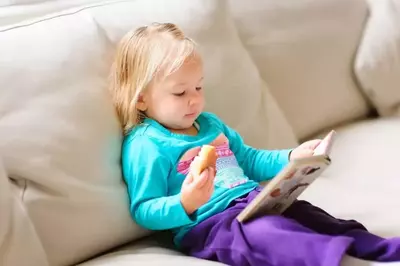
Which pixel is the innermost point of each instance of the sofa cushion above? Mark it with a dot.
(363, 181)
(5, 203)
(61, 139)
(59, 132)
(15, 11)
(377, 65)
(151, 251)
(17, 233)
(304, 51)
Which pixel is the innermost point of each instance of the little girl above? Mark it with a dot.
(157, 91)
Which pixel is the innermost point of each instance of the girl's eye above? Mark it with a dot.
(198, 88)
(179, 94)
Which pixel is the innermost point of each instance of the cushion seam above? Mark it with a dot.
(62, 13)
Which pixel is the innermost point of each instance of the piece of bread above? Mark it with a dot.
(207, 158)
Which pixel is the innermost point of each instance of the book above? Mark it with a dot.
(290, 182)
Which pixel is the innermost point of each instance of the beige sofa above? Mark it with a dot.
(280, 72)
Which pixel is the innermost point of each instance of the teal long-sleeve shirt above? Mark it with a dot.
(155, 162)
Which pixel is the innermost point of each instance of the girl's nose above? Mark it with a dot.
(194, 99)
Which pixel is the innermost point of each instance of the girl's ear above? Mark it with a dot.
(141, 104)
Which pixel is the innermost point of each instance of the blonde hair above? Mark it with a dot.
(141, 55)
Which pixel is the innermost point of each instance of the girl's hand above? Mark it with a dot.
(304, 150)
(196, 191)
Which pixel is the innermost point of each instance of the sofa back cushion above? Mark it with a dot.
(60, 136)
(23, 10)
(19, 242)
(377, 65)
(304, 50)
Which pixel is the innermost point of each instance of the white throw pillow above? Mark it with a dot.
(304, 50)
(58, 129)
(377, 65)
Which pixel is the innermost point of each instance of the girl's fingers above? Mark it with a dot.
(201, 181)
(211, 177)
(314, 143)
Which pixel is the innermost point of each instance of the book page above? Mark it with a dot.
(286, 187)
(290, 188)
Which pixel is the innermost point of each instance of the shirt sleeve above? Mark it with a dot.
(146, 172)
(259, 165)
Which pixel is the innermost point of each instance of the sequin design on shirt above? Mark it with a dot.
(228, 173)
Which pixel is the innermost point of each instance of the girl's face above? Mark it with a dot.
(177, 100)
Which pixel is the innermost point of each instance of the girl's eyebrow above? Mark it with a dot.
(184, 83)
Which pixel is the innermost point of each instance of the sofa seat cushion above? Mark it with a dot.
(151, 251)
(363, 182)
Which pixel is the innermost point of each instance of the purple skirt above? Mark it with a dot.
(302, 235)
